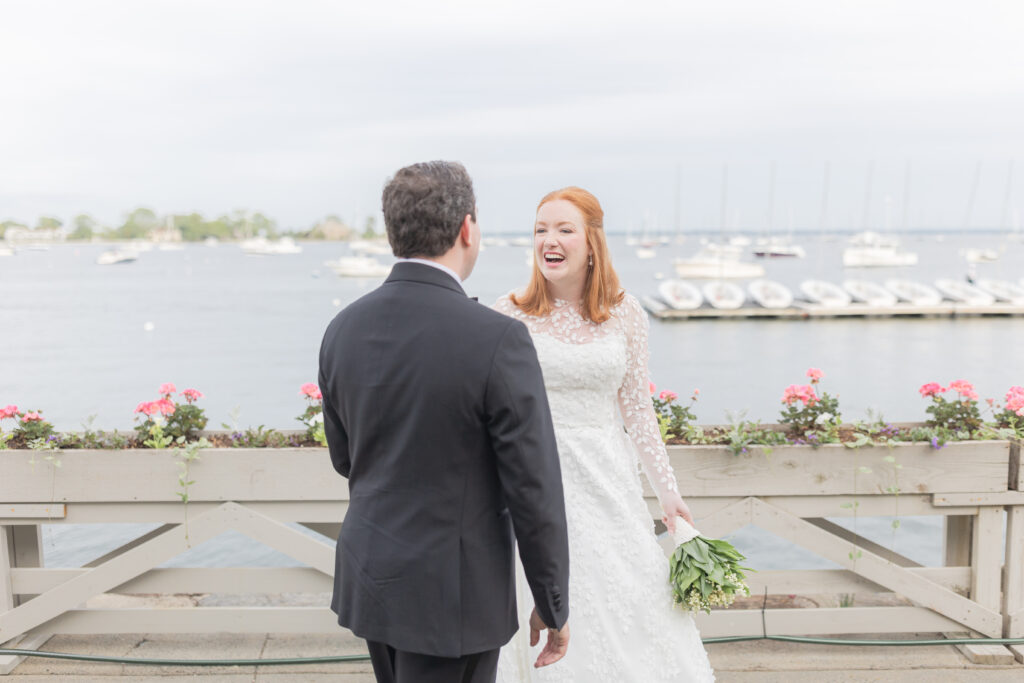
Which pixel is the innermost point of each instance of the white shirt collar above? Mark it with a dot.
(434, 264)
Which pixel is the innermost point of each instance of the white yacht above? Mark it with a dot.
(261, 246)
(914, 292)
(877, 257)
(714, 263)
(112, 256)
(371, 247)
(775, 247)
(358, 266)
(724, 295)
(680, 295)
(869, 292)
(1002, 290)
(869, 238)
(825, 293)
(770, 294)
(981, 255)
(645, 253)
(964, 292)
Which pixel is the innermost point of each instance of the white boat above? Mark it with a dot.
(372, 247)
(981, 255)
(6, 251)
(914, 292)
(645, 253)
(778, 247)
(112, 256)
(715, 263)
(170, 246)
(877, 257)
(521, 242)
(869, 292)
(1002, 290)
(964, 292)
(869, 238)
(211, 241)
(770, 294)
(724, 295)
(825, 293)
(358, 266)
(261, 246)
(680, 295)
(739, 241)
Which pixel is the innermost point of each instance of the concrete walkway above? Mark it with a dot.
(749, 662)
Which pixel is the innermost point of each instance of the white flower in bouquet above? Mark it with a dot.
(705, 572)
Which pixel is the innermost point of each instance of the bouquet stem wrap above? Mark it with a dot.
(704, 572)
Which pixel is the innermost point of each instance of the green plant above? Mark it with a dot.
(961, 415)
(816, 420)
(260, 437)
(313, 415)
(182, 420)
(674, 420)
(31, 427)
(187, 454)
(742, 435)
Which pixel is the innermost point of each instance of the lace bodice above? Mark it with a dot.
(604, 372)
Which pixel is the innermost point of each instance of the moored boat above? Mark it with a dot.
(724, 295)
(1002, 290)
(964, 292)
(358, 266)
(680, 295)
(869, 292)
(770, 294)
(915, 293)
(825, 293)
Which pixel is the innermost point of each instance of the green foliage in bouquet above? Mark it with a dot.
(705, 573)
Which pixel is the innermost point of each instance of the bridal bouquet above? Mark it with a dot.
(704, 572)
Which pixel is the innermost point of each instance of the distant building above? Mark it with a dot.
(15, 235)
(168, 234)
(332, 229)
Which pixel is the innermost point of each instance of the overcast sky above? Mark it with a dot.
(300, 109)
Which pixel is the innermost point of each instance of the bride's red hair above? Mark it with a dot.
(601, 290)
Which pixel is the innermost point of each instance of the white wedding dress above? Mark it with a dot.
(623, 625)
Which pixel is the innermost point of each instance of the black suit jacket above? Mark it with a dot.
(435, 410)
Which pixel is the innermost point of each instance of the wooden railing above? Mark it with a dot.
(791, 492)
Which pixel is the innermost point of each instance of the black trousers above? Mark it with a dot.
(394, 666)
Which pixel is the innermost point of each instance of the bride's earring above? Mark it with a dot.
(590, 260)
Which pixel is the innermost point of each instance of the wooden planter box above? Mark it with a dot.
(834, 469)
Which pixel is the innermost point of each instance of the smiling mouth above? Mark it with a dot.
(553, 258)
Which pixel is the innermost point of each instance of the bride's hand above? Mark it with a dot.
(675, 507)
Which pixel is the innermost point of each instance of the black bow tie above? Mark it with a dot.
(473, 298)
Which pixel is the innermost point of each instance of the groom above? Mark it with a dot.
(435, 412)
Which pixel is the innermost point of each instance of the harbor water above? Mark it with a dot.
(83, 340)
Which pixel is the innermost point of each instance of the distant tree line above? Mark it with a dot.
(239, 224)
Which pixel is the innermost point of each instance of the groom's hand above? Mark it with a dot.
(558, 640)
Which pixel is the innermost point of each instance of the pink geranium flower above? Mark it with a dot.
(1015, 400)
(651, 387)
(167, 388)
(146, 407)
(191, 395)
(165, 406)
(668, 395)
(9, 411)
(931, 389)
(964, 388)
(799, 392)
(32, 417)
(310, 390)
(815, 374)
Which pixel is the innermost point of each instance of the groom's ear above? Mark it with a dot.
(466, 230)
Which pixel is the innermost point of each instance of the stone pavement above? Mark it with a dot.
(747, 662)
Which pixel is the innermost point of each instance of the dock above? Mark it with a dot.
(806, 311)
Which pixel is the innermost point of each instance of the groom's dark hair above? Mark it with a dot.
(424, 205)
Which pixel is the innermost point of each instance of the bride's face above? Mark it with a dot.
(560, 243)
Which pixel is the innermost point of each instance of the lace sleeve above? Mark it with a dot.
(505, 305)
(635, 402)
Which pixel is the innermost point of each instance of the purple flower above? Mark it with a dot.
(935, 443)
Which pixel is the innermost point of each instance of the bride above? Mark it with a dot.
(591, 339)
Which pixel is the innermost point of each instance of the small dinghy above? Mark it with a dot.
(358, 266)
(680, 295)
(1002, 290)
(825, 293)
(964, 292)
(869, 292)
(914, 292)
(770, 294)
(724, 295)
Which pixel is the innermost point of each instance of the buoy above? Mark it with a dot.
(148, 326)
